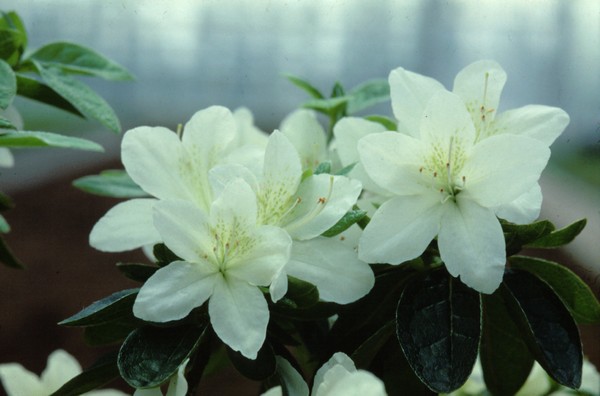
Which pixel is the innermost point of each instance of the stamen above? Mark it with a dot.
(179, 130)
(318, 208)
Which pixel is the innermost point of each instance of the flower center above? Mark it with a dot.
(442, 168)
(230, 242)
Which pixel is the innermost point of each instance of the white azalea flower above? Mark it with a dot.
(307, 135)
(305, 209)
(446, 184)
(169, 167)
(61, 367)
(177, 385)
(337, 377)
(225, 257)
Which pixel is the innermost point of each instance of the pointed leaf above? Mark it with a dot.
(151, 355)
(5, 202)
(108, 333)
(326, 106)
(387, 122)
(259, 369)
(366, 352)
(438, 327)
(548, 328)
(163, 255)
(573, 292)
(323, 167)
(349, 219)
(6, 124)
(305, 85)
(11, 45)
(77, 59)
(8, 84)
(110, 183)
(368, 94)
(29, 139)
(4, 226)
(101, 373)
(505, 359)
(345, 170)
(137, 272)
(35, 90)
(13, 21)
(519, 235)
(7, 257)
(559, 237)
(109, 308)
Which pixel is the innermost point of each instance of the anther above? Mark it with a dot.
(322, 200)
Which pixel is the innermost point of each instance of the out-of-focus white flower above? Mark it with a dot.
(61, 367)
(305, 133)
(446, 183)
(337, 377)
(225, 255)
(177, 385)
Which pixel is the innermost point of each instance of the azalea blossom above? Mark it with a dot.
(305, 209)
(225, 256)
(61, 367)
(177, 385)
(446, 184)
(337, 377)
(168, 166)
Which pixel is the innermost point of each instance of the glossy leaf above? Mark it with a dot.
(518, 235)
(7, 257)
(8, 84)
(101, 373)
(105, 310)
(559, 237)
(573, 292)
(163, 255)
(547, 327)
(151, 355)
(350, 218)
(304, 85)
(31, 139)
(259, 369)
(113, 332)
(35, 90)
(387, 122)
(137, 272)
(110, 183)
(82, 97)
(438, 325)
(368, 94)
(74, 58)
(505, 358)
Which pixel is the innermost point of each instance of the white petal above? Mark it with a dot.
(208, 133)
(480, 84)
(178, 385)
(503, 167)
(543, 123)
(279, 286)
(148, 392)
(126, 226)
(306, 134)
(17, 380)
(250, 156)
(337, 367)
(410, 93)
(184, 228)
(446, 122)
(360, 383)
(523, 210)
(331, 266)
(221, 175)
(275, 391)
(248, 133)
(282, 169)
(401, 229)
(6, 158)
(348, 131)
(293, 381)
(173, 291)
(392, 160)
(324, 200)
(472, 245)
(239, 315)
(61, 367)
(235, 207)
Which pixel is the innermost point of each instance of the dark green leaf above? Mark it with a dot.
(137, 272)
(337, 90)
(559, 237)
(505, 359)
(73, 58)
(366, 352)
(259, 369)
(11, 45)
(82, 97)
(547, 327)
(31, 139)
(4, 226)
(7, 257)
(300, 294)
(110, 183)
(113, 332)
(368, 94)
(305, 85)
(101, 373)
(573, 292)
(519, 235)
(151, 355)
(326, 106)
(388, 123)
(438, 327)
(115, 306)
(323, 167)
(350, 218)
(5, 202)
(8, 84)
(12, 20)
(35, 90)
(163, 255)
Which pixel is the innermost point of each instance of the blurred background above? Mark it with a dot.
(187, 55)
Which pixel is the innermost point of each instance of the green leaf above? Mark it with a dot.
(350, 218)
(366, 352)
(113, 332)
(5, 202)
(163, 255)
(438, 325)
(35, 90)
(6, 124)
(8, 84)
(573, 292)
(101, 373)
(137, 272)
(4, 226)
(323, 167)
(505, 358)
(74, 58)
(546, 325)
(7, 257)
(387, 122)
(259, 369)
(11, 45)
(300, 294)
(304, 85)
(345, 170)
(30, 139)
(82, 97)
(110, 183)
(559, 237)
(151, 355)
(519, 235)
(115, 306)
(368, 94)
(326, 106)
(12, 20)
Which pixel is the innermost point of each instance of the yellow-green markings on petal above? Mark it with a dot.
(482, 115)
(230, 242)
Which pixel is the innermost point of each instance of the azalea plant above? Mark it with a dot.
(373, 255)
